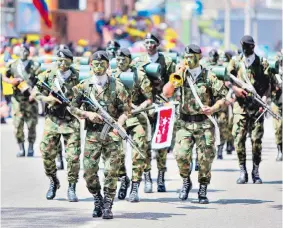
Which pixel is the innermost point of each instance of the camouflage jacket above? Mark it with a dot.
(209, 89)
(69, 123)
(27, 72)
(259, 78)
(167, 68)
(114, 98)
(276, 88)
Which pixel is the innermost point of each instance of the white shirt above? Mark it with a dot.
(153, 58)
(249, 60)
(195, 72)
(100, 81)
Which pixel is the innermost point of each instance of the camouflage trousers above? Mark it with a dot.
(225, 126)
(50, 146)
(24, 112)
(110, 150)
(201, 134)
(122, 170)
(241, 124)
(277, 124)
(161, 158)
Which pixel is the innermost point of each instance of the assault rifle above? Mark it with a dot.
(109, 121)
(250, 89)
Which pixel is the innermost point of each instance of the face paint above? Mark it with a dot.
(24, 53)
(99, 67)
(248, 49)
(123, 63)
(64, 64)
(192, 60)
(151, 46)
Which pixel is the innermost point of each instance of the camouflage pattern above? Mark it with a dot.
(137, 125)
(277, 124)
(115, 103)
(68, 127)
(23, 110)
(246, 111)
(211, 92)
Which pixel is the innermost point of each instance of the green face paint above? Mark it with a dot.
(64, 64)
(123, 63)
(99, 67)
(192, 60)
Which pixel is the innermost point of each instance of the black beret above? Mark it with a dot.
(25, 46)
(213, 52)
(113, 44)
(247, 40)
(193, 49)
(151, 37)
(65, 53)
(124, 52)
(100, 55)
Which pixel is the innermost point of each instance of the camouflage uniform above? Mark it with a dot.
(167, 68)
(23, 110)
(115, 100)
(55, 126)
(246, 112)
(196, 128)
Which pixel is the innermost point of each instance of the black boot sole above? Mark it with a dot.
(97, 215)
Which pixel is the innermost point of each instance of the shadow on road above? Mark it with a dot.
(225, 170)
(278, 207)
(240, 201)
(146, 215)
(42, 217)
(272, 182)
(196, 208)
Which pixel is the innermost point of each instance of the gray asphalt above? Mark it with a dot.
(24, 185)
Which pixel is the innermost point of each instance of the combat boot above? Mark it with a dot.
(243, 175)
(279, 155)
(30, 150)
(186, 188)
(229, 147)
(220, 152)
(161, 182)
(22, 151)
(125, 184)
(134, 194)
(72, 197)
(255, 174)
(60, 162)
(98, 205)
(147, 182)
(202, 194)
(54, 185)
(107, 207)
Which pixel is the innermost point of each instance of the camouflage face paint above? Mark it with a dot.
(24, 53)
(99, 67)
(192, 60)
(123, 63)
(151, 46)
(64, 64)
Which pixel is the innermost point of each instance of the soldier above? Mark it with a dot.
(196, 127)
(167, 68)
(111, 48)
(141, 97)
(112, 95)
(59, 122)
(21, 74)
(249, 69)
(276, 97)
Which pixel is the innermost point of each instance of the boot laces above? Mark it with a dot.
(255, 171)
(97, 200)
(147, 177)
(186, 184)
(202, 190)
(124, 182)
(160, 178)
(135, 188)
(107, 202)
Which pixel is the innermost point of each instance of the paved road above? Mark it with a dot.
(24, 186)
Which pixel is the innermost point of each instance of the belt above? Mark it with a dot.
(193, 118)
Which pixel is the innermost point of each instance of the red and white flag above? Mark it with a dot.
(163, 134)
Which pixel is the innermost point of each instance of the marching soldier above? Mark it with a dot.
(249, 69)
(21, 74)
(59, 122)
(167, 68)
(141, 97)
(112, 95)
(111, 48)
(201, 95)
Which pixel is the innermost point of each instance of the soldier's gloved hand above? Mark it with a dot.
(93, 117)
(264, 99)
(50, 100)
